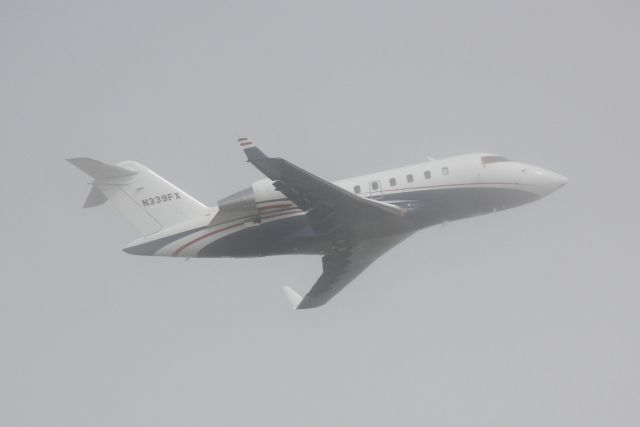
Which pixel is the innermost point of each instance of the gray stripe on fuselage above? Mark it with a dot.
(286, 235)
(150, 248)
(154, 246)
(431, 207)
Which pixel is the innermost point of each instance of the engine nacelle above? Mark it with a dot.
(264, 191)
(244, 203)
(241, 202)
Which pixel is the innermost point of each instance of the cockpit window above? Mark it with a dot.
(493, 159)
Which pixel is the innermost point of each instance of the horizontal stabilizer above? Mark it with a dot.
(95, 198)
(99, 170)
(293, 297)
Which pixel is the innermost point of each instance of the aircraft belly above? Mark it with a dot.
(292, 235)
(432, 207)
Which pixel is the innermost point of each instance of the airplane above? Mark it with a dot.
(351, 222)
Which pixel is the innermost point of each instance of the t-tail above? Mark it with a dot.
(146, 200)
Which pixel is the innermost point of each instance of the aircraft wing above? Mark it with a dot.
(316, 195)
(339, 269)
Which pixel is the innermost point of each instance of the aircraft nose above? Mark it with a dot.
(558, 180)
(545, 181)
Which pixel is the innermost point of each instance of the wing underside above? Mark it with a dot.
(338, 270)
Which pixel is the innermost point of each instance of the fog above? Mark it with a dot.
(526, 317)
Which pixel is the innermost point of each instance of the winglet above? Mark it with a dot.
(293, 297)
(253, 153)
(245, 143)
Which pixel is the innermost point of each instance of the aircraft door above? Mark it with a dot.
(375, 189)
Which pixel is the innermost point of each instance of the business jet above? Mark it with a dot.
(351, 222)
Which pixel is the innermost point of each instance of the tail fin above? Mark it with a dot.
(146, 200)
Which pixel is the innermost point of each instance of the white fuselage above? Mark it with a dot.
(463, 170)
(433, 192)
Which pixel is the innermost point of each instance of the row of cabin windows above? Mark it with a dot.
(393, 182)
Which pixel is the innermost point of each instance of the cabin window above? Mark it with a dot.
(445, 171)
(357, 189)
(392, 182)
(409, 178)
(374, 185)
(427, 174)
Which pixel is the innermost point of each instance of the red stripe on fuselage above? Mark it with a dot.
(186, 245)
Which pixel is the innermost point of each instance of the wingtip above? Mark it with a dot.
(293, 297)
(252, 152)
(245, 143)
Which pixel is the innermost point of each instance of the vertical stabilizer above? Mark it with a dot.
(146, 200)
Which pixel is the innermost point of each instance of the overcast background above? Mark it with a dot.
(527, 317)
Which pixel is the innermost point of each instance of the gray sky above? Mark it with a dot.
(523, 318)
